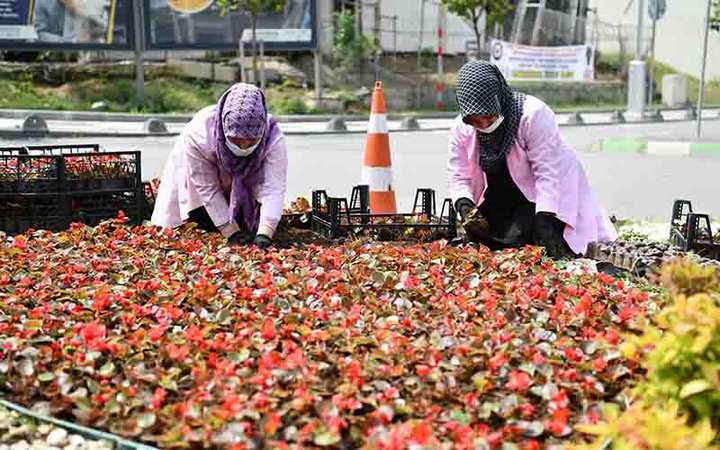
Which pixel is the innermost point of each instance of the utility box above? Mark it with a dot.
(675, 90)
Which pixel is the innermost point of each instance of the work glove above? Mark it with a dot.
(239, 238)
(464, 207)
(262, 242)
(548, 234)
(475, 225)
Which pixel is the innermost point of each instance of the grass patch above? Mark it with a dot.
(162, 95)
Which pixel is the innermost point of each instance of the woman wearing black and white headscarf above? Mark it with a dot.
(513, 178)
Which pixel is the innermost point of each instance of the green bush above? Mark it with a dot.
(679, 400)
(288, 106)
(646, 427)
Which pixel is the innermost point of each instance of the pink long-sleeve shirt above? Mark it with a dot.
(193, 177)
(545, 169)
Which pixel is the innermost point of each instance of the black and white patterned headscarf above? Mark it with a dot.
(482, 90)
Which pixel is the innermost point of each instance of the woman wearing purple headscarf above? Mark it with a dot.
(228, 171)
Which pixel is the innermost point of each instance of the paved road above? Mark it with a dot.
(628, 185)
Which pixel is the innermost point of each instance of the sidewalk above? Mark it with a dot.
(113, 125)
(660, 147)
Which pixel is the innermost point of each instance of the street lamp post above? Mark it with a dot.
(637, 73)
(701, 97)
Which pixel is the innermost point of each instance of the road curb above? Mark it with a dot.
(658, 148)
(95, 116)
(20, 134)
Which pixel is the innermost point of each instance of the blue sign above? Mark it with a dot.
(65, 24)
(15, 12)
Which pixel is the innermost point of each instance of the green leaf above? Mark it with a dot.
(531, 429)
(239, 357)
(82, 403)
(146, 420)
(460, 416)
(694, 387)
(326, 439)
(46, 376)
(26, 367)
(107, 370)
(378, 277)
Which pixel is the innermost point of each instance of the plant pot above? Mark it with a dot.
(116, 184)
(75, 185)
(94, 185)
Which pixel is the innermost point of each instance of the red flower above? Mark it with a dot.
(421, 433)
(159, 398)
(527, 410)
(422, 370)
(519, 381)
(573, 354)
(558, 423)
(497, 361)
(273, 423)
(599, 364)
(559, 401)
(156, 333)
(178, 352)
(93, 331)
(193, 334)
(268, 330)
(20, 242)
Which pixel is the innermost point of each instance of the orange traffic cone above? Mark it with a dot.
(377, 165)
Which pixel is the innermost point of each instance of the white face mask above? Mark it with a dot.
(243, 152)
(492, 127)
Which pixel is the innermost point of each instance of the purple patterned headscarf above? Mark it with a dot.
(241, 113)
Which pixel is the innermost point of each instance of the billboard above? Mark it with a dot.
(525, 63)
(65, 24)
(199, 24)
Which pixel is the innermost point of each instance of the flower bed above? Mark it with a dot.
(173, 338)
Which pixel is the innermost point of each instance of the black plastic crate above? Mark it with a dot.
(334, 217)
(50, 150)
(27, 174)
(108, 171)
(692, 231)
(50, 187)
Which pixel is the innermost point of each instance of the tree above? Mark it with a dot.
(350, 47)
(715, 19)
(472, 11)
(253, 8)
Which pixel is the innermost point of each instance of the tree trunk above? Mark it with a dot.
(256, 80)
(475, 20)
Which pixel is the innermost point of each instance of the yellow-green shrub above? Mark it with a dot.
(678, 404)
(647, 427)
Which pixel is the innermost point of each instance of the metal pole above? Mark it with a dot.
(317, 63)
(440, 50)
(641, 16)
(139, 46)
(651, 64)
(242, 60)
(538, 22)
(378, 38)
(262, 65)
(318, 76)
(701, 97)
(420, 35)
(395, 19)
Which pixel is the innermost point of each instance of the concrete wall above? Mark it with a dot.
(404, 98)
(679, 34)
